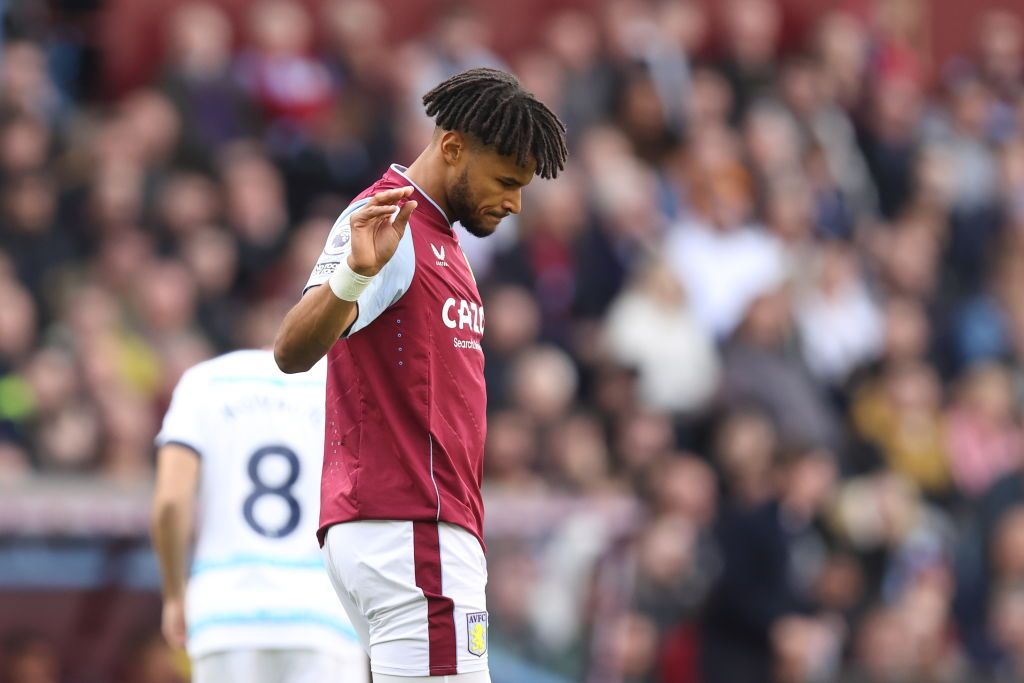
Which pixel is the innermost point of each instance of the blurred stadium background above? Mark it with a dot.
(754, 362)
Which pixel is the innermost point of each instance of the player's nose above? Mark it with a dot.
(513, 202)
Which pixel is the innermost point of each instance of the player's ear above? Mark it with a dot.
(453, 147)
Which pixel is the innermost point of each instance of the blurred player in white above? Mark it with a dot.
(258, 606)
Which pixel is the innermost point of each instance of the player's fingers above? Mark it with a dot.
(369, 212)
(389, 196)
(402, 217)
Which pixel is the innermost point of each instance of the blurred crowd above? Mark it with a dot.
(776, 301)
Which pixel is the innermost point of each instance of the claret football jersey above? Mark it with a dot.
(406, 402)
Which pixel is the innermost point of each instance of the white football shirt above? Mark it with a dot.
(258, 578)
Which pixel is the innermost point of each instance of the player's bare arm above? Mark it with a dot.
(319, 318)
(176, 479)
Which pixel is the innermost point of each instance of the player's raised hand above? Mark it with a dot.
(375, 234)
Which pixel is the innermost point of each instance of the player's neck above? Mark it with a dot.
(430, 180)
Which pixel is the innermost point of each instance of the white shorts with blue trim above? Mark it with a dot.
(244, 603)
(282, 666)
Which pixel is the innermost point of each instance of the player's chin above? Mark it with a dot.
(482, 227)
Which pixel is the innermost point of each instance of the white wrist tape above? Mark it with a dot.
(347, 284)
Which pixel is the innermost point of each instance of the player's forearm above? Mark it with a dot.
(310, 329)
(171, 527)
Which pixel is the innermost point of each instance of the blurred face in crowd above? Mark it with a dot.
(511, 445)
(790, 209)
(33, 662)
(745, 450)
(1012, 181)
(881, 648)
(723, 198)
(842, 47)
(544, 382)
(1007, 554)
(166, 297)
(641, 112)
(24, 145)
(23, 79)
(642, 437)
(542, 74)
(69, 440)
(553, 209)
(513, 320)
(580, 449)
(634, 647)
(686, 486)
(354, 26)
(17, 321)
(987, 392)
(801, 86)
(686, 23)
(667, 551)
(897, 107)
(768, 321)
(1007, 618)
(810, 481)
(29, 204)
(906, 329)
(121, 259)
(481, 186)
(187, 202)
(970, 106)
(510, 585)
(573, 37)
(254, 192)
(910, 260)
(53, 377)
(913, 388)
(462, 33)
(201, 39)
(280, 28)
(1001, 47)
(753, 30)
(153, 122)
(772, 139)
(711, 98)
(212, 257)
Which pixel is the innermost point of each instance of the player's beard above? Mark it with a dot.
(462, 206)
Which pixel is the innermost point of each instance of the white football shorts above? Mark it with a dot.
(282, 666)
(415, 594)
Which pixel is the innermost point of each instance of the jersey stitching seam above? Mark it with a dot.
(465, 402)
(430, 393)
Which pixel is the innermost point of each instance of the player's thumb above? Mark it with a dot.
(402, 217)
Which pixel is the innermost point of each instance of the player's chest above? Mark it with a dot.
(445, 286)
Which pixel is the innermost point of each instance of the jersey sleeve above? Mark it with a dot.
(337, 248)
(393, 280)
(183, 423)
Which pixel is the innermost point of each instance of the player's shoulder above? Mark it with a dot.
(388, 181)
(337, 240)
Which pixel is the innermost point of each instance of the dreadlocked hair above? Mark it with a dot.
(491, 105)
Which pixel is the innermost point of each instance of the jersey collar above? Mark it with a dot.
(401, 171)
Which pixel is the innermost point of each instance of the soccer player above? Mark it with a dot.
(401, 321)
(248, 440)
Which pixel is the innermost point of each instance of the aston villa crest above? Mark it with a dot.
(476, 633)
